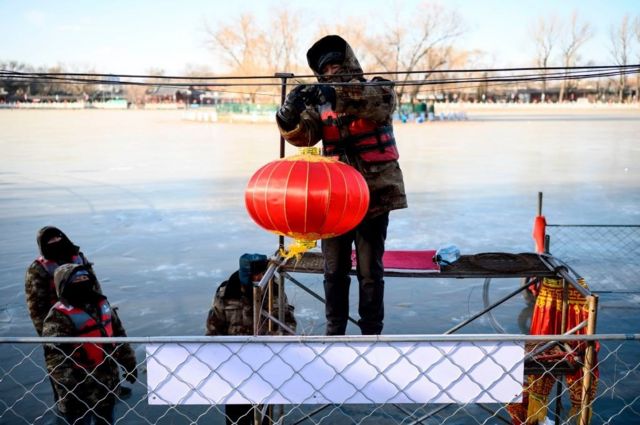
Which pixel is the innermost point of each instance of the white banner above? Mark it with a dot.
(335, 372)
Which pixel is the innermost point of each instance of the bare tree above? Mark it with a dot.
(249, 51)
(475, 59)
(579, 33)
(620, 38)
(281, 45)
(152, 76)
(60, 87)
(406, 45)
(136, 94)
(437, 58)
(15, 86)
(240, 43)
(545, 34)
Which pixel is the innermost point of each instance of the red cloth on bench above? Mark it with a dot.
(407, 260)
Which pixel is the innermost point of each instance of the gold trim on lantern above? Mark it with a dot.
(309, 150)
(309, 154)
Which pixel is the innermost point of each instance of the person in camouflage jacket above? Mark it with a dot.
(353, 118)
(86, 376)
(55, 249)
(231, 313)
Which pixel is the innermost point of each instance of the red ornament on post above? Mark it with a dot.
(307, 197)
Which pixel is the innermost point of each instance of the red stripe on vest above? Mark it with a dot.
(89, 355)
(370, 141)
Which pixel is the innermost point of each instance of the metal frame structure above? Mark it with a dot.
(536, 266)
(531, 265)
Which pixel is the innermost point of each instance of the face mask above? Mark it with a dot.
(81, 292)
(61, 251)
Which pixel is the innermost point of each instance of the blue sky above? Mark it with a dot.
(133, 36)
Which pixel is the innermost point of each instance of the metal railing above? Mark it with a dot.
(461, 395)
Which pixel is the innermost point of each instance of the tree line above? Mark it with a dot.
(419, 48)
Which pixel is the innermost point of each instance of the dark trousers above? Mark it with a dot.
(102, 413)
(369, 238)
(240, 414)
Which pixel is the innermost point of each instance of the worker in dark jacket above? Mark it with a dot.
(85, 375)
(40, 292)
(56, 249)
(231, 313)
(353, 118)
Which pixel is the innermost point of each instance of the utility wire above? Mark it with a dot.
(253, 77)
(424, 85)
(567, 75)
(490, 84)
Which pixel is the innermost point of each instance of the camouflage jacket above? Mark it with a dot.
(39, 292)
(373, 102)
(231, 312)
(80, 389)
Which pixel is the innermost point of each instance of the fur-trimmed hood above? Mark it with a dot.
(333, 49)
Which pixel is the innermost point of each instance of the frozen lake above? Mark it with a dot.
(157, 203)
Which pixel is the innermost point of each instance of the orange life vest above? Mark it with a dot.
(89, 355)
(51, 266)
(370, 141)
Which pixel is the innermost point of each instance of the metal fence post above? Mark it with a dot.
(283, 94)
(587, 370)
(539, 203)
(281, 303)
(563, 329)
(270, 305)
(257, 307)
(547, 244)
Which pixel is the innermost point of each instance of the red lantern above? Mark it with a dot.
(307, 197)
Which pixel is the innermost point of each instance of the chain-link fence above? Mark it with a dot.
(454, 379)
(606, 255)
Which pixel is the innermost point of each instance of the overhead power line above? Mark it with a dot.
(271, 77)
(509, 76)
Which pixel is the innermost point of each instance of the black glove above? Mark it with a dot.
(320, 94)
(289, 113)
(132, 376)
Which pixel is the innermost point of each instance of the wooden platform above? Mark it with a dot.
(482, 265)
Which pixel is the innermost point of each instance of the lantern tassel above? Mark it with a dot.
(297, 248)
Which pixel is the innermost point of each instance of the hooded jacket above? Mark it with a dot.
(81, 386)
(370, 102)
(38, 284)
(231, 311)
